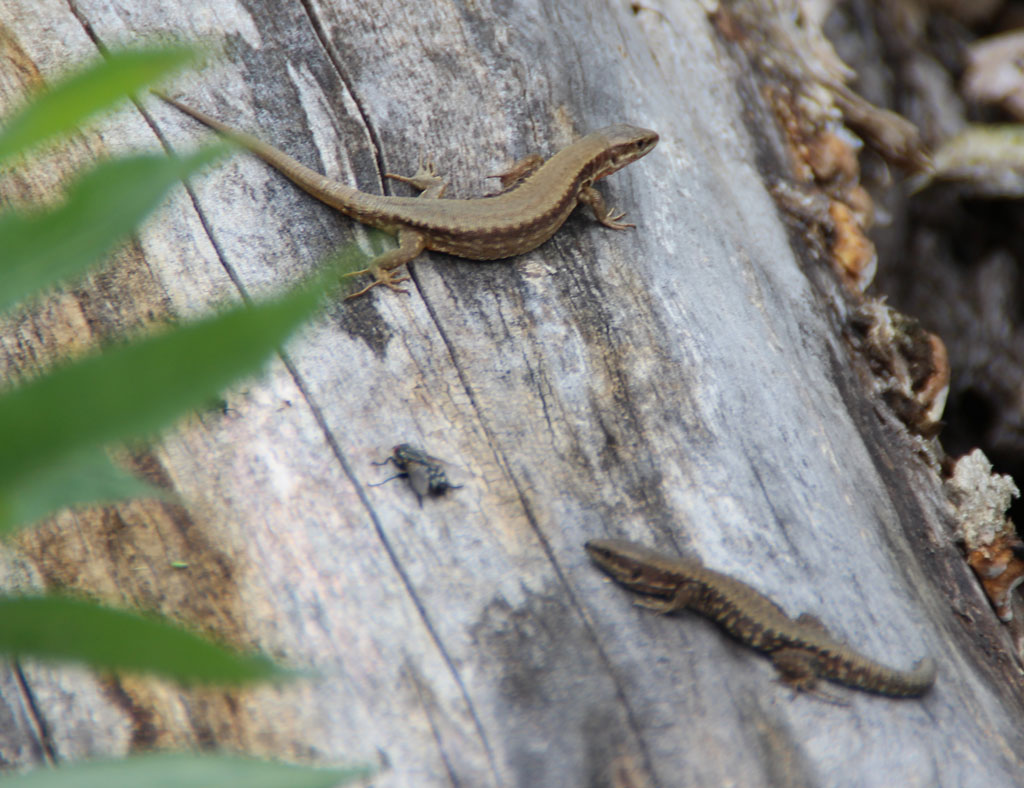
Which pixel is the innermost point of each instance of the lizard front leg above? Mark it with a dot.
(592, 197)
(519, 171)
(410, 244)
(681, 599)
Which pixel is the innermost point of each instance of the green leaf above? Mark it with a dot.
(169, 770)
(78, 97)
(85, 478)
(62, 628)
(136, 389)
(101, 208)
(347, 260)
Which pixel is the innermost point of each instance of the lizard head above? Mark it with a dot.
(624, 144)
(634, 566)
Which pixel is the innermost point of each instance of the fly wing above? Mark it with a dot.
(419, 479)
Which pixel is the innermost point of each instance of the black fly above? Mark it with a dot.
(425, 473)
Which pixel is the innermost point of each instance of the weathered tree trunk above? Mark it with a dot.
(691, 384)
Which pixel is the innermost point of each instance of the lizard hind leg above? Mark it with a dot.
(796, 669)
(410, 244)
(431, 185)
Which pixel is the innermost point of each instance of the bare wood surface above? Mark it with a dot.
(687, 385)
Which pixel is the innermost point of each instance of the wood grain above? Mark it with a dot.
(687, 384)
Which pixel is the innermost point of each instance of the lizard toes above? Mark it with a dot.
(612, 220)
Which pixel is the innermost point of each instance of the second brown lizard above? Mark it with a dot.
(801, 649)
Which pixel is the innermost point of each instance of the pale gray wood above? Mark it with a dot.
(21, 740)
(686, 384)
